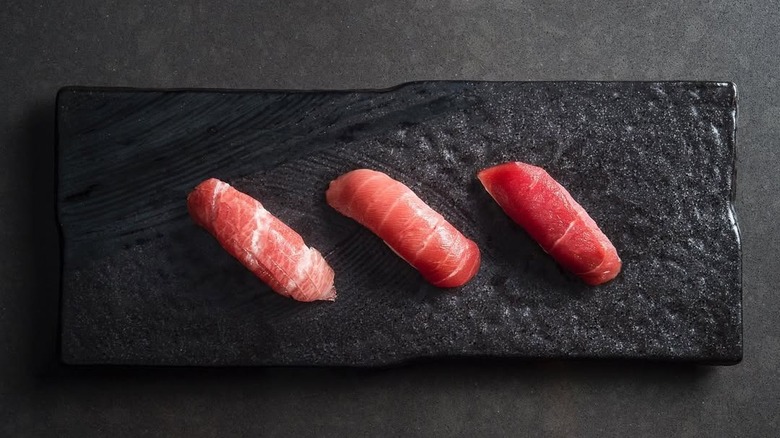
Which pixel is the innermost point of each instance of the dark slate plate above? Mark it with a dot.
(653, 163)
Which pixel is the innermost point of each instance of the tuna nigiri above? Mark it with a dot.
(261, 242)
(546, 210)
(418, 234)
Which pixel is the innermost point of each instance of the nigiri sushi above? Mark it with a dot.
(414, 231)
(261, 242)
(546, 210)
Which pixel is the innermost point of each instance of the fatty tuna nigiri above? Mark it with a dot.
(418, 234)
(546, 210)
(261, 242)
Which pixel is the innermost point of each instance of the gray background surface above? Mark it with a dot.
(350, 44)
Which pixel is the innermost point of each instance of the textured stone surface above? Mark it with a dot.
(653, 164)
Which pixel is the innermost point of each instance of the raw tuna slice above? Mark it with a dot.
(261, 242)
(408, 225)
(533, 199)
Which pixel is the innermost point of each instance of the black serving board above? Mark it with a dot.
(653, 163)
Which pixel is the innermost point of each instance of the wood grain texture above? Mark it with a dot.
(651, 162)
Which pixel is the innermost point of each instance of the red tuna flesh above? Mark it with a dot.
(546, 210)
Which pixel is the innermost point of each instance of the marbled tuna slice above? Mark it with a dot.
(261, 242)
(417, 233)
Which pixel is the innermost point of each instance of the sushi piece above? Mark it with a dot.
(546, 210)
(261, 242)
(419, 235)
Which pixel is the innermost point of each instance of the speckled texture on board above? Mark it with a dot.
(651, 162)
